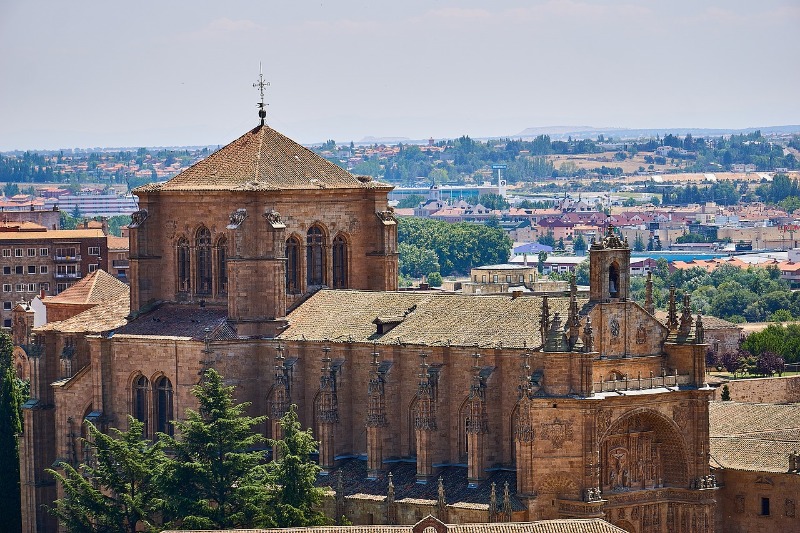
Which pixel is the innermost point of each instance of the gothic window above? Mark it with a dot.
(613, 280)
(315, 257)
(222, 265)
(203, 245)
(183, 265)
(292, 265)
(339, 263)
(140, 386)
(163, 390)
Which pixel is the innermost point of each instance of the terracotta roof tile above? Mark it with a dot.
(106, 316)
(52, 234)
(118, 243)
(429, 318)
(754, 437)
(263, 160)
(97, 287)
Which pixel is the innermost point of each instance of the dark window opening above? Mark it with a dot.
(140, 401)
(315, 257)
(613, 280)
(292, 266)
(203, 244)
(222, 266)
(183, 265)
(164, 406)
(339, 263)
(764, 506)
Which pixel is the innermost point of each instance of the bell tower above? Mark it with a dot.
(609, 268)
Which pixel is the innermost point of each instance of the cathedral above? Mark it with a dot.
(279, 270)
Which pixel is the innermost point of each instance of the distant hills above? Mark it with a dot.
(582, 132)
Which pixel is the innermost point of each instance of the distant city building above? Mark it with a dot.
(92, 205)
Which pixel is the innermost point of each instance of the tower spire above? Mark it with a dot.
(261, 85)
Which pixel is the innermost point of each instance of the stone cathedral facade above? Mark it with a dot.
(279, 270)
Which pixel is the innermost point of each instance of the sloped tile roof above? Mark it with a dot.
(430, 318)
(182, 320)
(263, 160)
(56, 234)
(754, 437)
(105, 316)
(97, 287)
(118, 243)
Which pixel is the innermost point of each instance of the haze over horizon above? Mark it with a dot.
(103, 74)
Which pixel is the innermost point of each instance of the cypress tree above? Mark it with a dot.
(10, 427)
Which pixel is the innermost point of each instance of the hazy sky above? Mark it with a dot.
(89, 73)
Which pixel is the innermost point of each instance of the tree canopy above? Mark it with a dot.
(459, 247)
(10, 427)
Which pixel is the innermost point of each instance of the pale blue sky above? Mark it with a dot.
(131, 73)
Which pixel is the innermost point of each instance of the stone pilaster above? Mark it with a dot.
(376, 418)
(478, 427)
(524, 431)
(649, 306)
(327, 413)
(424, 422)
(281, 399)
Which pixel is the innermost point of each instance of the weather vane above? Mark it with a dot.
(261, 85)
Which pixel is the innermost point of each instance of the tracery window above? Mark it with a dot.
(163, 391)
(184, 266)
(222, 265)
(339, 263)
(140, 386)
(315, 256)
(292, 265)
(203, 246)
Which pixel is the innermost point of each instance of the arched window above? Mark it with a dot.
(203, 245)
(339, 263)
(140, 386)
(613, 280)
(222, 265)
(184, 266)
(315, 257)
(292, 265)
(163, 391)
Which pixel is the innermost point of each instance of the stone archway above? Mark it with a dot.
(627, 526)
(642, 449)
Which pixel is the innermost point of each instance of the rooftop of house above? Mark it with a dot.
(263, 160)
(753, 437)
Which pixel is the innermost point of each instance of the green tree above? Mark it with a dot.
(10, 426)
(579, 245)
(547, 239)
(416, 262)
(493, 201)
(540, 263)
(294, 474)
(76, 212)
(638, 243)
(118, 490)
(209, 484)
(435, 279)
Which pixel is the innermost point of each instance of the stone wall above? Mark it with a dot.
(740, 501)
(763, 390)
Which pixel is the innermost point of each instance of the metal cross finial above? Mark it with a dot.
(261, 85)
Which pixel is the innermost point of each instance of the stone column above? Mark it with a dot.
(281, 399)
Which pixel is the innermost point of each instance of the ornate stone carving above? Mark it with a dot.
(387, 216)
(138, 218)
(680, 415)
(273, 218)
(641, 334)
(614, 325)
(237, 218)
(557, 432)
(603, 419)
(169, 229)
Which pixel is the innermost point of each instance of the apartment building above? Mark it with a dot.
(35, 260)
